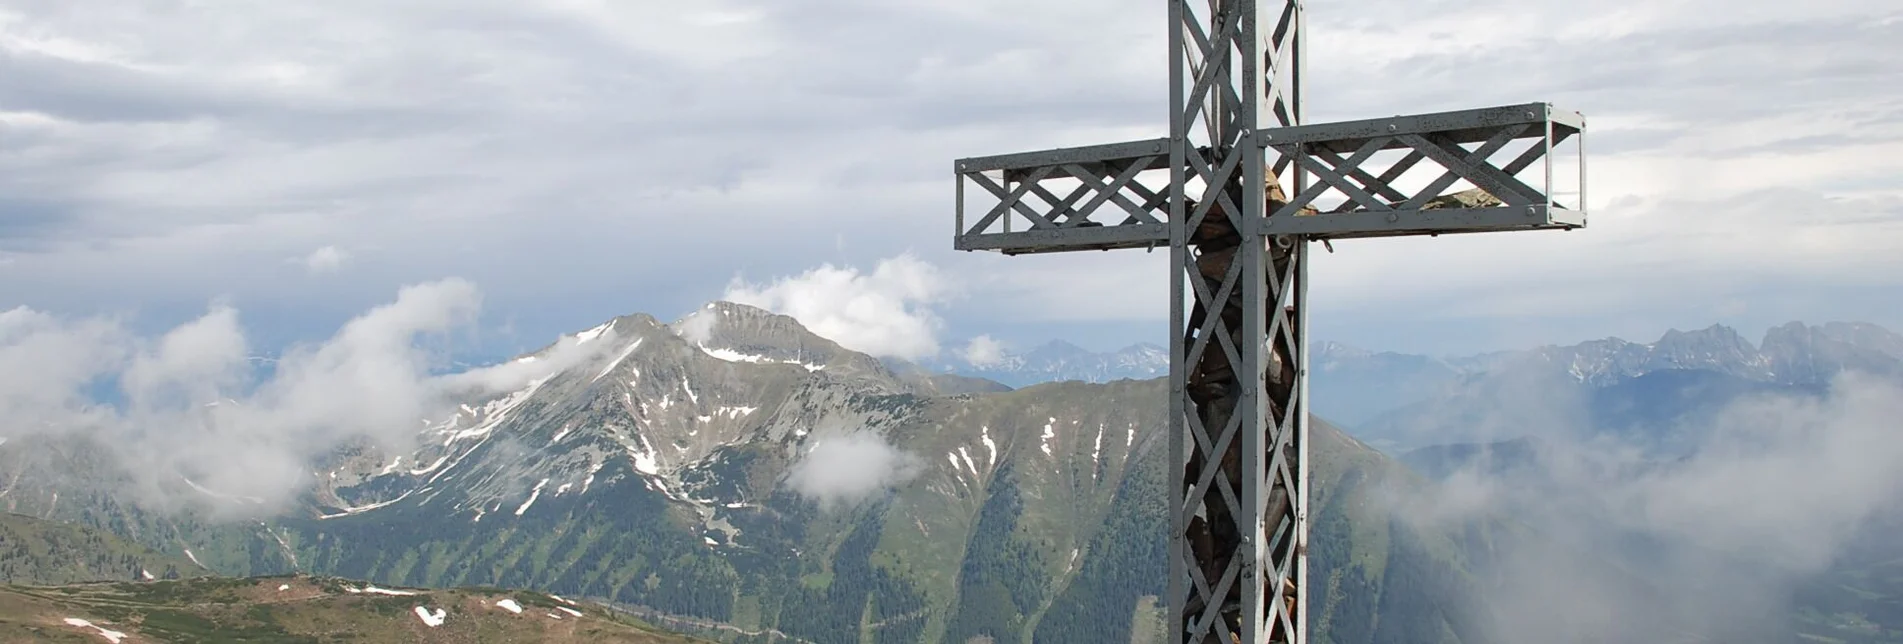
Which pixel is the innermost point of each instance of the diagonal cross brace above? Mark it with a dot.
(1235, 138)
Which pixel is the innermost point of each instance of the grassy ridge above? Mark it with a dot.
(300, 609)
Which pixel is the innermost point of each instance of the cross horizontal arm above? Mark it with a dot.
(1025, 214)
(1390, 177)
(1481, 170)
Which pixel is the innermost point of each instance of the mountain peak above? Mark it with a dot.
(1798, 352)
(742, 333)
(1717, 332)
(1057, 350)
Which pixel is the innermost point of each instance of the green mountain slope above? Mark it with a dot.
(36, 551)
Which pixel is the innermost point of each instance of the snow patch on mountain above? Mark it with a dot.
(619, 358)
(585, 336)
(533, 495)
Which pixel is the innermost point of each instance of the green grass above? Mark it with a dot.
(218, 610)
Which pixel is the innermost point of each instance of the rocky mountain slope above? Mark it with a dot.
(305, 609)
(733, 469)
(733, 472)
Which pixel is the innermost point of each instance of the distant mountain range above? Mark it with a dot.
(1059, 361)
(733, 474)
(1354, 386)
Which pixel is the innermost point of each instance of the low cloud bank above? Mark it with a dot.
(841, 471)
(1713, 546)
(886, 312)
(193, 407)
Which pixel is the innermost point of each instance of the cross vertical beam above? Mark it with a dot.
(1238, 404)
(1239, 253)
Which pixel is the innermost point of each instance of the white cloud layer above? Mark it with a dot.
(885, 312)
(193, 406)
(1776, 491)
(984, 351)
(845, 469)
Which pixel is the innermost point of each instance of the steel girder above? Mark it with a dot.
(1213, 193)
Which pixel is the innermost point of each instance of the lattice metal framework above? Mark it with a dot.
(1212, 192)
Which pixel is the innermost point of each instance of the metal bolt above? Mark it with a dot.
(1530, 211)
(1393, 217)
(1392, 127)
(1268, 137)
(1156, 148)
(1530, 115)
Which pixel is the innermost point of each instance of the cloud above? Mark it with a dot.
(1704, 548)
(697, 327)
(886, 312)
(842, 470)
(635, 138)
(326, 260)
(46, 362)
(984, 351)
(194, 408)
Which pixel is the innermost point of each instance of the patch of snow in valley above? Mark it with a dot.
(568, 610)
(143, 574)
(439, 463)
(564, 488)
(510, 605)
(984, 434)
(1049, 433)
(1132, 438)
(385, 591)
(968, 462)
(110, 635)
(193, 557)
(730, 355)
(591, 475)
(533, 494)
(357, 510)
(283, 587)
(431, 620)
(644, 458)
(1096, 452)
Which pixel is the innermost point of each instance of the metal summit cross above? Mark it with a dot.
(1238, 366)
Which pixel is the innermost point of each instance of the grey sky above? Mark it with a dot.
(580, 159)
